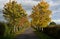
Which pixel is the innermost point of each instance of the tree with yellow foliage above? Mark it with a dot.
(41, 14)
(15, 15)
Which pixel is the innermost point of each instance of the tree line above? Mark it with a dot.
(17, 18)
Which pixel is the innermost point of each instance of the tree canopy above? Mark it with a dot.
(15, 15)
(41, 14)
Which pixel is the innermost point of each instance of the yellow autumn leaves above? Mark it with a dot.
(41, 14)
(16, 15)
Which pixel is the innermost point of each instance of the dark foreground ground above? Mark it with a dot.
(28, 34)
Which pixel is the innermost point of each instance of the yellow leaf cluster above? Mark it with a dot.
(41, 14)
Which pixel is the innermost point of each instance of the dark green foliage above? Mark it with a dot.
(2, 28)
(40, 33)
(53, 32)
(52, 23)
(43, 35)
(5, 31)
(48, 32)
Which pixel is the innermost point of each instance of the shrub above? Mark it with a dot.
(2, 28)
(5, 31)
(52, 23)
(52, 31)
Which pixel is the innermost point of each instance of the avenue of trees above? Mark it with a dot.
(17, 19)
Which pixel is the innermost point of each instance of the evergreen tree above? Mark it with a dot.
(41, 14)
(52, 23)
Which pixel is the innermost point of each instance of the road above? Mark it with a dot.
(28, 34)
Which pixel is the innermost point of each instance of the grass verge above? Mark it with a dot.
(42, 35)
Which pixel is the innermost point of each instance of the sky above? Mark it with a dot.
(28, 4)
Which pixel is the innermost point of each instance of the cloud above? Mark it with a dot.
(2, 3)
(1, 17)
(55, 9)
(56, 16)
(36, 0)
(56, 1)
(28, 5)
(56, 21)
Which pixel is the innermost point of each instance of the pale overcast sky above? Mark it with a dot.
(28, 4)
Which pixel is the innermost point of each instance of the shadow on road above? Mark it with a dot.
(28, 34)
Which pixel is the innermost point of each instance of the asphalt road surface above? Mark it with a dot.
(28, 34)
